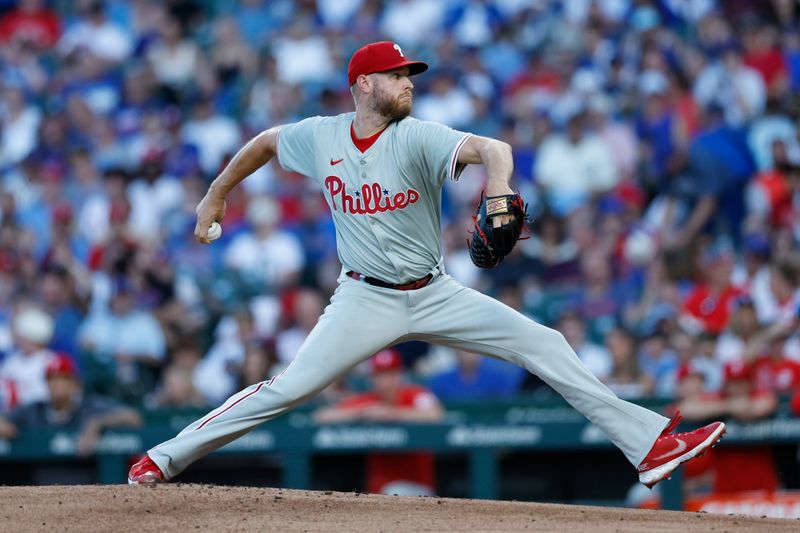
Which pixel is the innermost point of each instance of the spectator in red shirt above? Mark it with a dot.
(391, 400)
(23, 368)
(795, 403)
(537, 78)
(707, 308)
(769, 195)
(763, 54)
(31, 22)
(737, 468)
(774, 372)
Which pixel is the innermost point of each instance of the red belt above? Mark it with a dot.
(410, 286)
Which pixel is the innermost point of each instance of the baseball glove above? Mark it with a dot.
(489, 245)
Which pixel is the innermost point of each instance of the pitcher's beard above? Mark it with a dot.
(394, 108)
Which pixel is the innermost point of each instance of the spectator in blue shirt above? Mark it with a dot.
(475, 378)
(123, 346)
(57, 294)
(660, 363)
(712, 188)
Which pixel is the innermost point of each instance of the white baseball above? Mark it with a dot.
(214, 231)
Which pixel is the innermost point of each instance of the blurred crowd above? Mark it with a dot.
(657, 142)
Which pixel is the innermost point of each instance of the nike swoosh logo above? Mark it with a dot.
(336, 162)
(680, 447)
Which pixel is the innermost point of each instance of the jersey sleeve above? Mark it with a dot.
(296, 146)
(439, 146)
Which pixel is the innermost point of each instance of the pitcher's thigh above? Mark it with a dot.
(357, 324)
(474, 322)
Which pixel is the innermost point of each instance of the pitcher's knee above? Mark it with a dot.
(301, 397)
(291, 396)
(548, 338)
(542, 343)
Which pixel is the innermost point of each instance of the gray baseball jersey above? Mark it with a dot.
(385, 203)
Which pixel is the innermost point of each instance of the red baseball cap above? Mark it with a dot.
(688, 369)
(63, 365)
(386, 360)
(63, 213)
(380, 57)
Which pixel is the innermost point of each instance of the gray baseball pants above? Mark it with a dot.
(362, 319)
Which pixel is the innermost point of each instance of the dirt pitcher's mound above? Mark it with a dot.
(178, 507)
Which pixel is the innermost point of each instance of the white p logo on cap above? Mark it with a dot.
(399, 51)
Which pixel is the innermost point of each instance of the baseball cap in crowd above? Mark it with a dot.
(744, 300)
(644, 18)
(718, 254)
(34, 325)
(380, 57)
(652, 82)
(386, 360)
(757, 244)
(62, 365)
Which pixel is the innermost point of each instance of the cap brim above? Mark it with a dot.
(414, 67)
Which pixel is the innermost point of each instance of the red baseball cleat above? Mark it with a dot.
(145, 472)
(670, 450)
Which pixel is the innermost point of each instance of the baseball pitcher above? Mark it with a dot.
(382, 174)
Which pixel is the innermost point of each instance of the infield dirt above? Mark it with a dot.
(187, 507)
